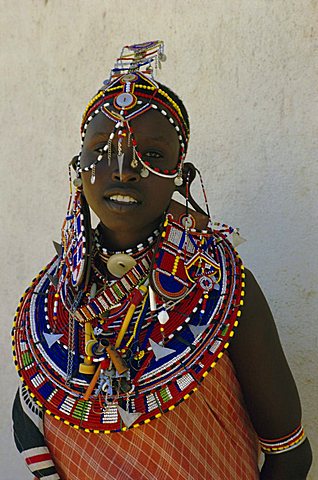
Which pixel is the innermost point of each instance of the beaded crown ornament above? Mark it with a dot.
(130, 91)
(108, 354)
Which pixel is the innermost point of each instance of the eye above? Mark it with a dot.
(152, 154)
(99, 149)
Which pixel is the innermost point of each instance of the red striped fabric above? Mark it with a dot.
(209, 436)
(38, 458)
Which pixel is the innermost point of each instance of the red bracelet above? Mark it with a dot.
(283, 444)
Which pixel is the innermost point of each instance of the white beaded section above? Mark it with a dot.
(184, 381)
(110, 415)
(151, 402)
(38, 379)
(67, 405)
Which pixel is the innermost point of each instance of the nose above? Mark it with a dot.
(125, 177)
(127, 173)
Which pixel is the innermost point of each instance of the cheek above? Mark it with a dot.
(89, 189)
(86, 179)
(160, 192)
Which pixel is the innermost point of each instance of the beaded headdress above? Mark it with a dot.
(130, 91)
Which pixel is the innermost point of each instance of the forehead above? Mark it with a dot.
(151, 125)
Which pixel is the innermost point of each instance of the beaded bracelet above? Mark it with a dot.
(283, 444)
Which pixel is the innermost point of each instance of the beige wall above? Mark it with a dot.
(247, 72)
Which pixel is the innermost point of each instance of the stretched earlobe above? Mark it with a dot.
(188, 174)
(74, 162)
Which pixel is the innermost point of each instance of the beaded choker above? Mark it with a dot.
(129, 251)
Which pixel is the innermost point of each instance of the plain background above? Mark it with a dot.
(247, 71)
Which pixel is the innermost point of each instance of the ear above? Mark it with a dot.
(188, 175)
(77, 182)
(74, 161)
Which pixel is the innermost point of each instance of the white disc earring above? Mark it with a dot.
(178, 181)
(144, 173)
(77, 182)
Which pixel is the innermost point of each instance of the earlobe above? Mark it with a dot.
(73, 163)
(77, 182)
(188, 175)
(189, 172)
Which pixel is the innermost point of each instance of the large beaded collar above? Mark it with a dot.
(184, 297)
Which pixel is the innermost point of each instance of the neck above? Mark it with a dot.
(123, 240)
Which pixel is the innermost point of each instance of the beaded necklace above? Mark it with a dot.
(92, 373)
(105, 253)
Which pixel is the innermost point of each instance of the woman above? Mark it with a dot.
(139, 317)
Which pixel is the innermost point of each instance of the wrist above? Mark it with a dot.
(291, 465)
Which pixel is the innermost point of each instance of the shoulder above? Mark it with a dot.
(257, 322)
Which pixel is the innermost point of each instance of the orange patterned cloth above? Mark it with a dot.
(209, 436)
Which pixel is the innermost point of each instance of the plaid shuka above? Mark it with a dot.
(209, 436)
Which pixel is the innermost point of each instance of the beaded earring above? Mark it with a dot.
(76, 232)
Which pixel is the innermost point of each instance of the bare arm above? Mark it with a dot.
(268, 386)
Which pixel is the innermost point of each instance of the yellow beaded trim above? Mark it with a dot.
(173, 103)
(90, 103)
(144, 87)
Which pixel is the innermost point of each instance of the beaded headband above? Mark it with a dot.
(129, 92)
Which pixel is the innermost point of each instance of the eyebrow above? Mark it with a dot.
(157, 138)
(100, 135)
(97, 138)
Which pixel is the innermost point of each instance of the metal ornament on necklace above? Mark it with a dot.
(119, 290)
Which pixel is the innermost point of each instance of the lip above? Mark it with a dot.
(122, 206)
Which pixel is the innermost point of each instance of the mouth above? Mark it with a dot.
(121, 202)
(123, 199)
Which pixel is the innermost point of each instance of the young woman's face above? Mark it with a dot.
(130, 204)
